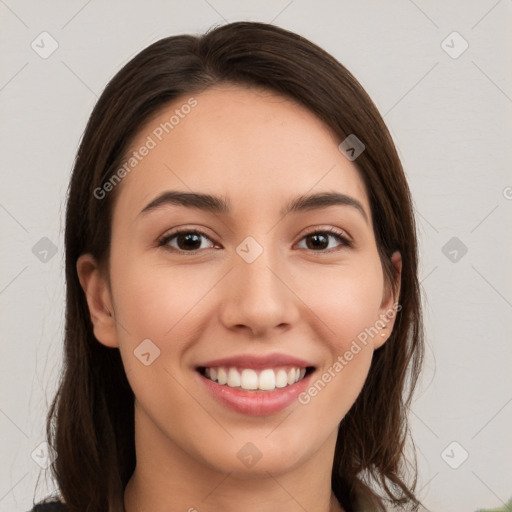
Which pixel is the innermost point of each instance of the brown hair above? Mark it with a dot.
(90, 423)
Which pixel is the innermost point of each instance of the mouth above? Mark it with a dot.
(253, 391)
(256, 384)
(256, 380)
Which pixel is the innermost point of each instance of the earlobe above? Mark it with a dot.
(389, 306)
(98, 298)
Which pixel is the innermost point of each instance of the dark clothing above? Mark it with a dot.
(49, 506)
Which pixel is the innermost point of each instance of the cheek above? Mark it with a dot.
(335, 388)
(152, 299)
(347, 299)
(348, 307)
(164, 304)
(155, 303)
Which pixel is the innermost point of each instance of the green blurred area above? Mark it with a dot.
(506, 508)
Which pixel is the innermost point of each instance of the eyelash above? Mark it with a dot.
(330, 231)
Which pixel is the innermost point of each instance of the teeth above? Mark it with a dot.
(267, 380)
(233, 378)
(222, 376)
(281, 379)
(248, 379)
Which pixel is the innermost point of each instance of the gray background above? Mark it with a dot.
(450, 118)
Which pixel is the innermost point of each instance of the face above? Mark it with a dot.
(252, 290)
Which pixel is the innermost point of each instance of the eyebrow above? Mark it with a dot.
(220, 205)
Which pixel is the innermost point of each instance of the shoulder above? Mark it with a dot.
(49, 505)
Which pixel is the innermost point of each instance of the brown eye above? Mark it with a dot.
(186, 240)
(320, 240)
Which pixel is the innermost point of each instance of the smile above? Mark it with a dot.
(249, 379)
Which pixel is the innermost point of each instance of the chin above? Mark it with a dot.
(256, 459)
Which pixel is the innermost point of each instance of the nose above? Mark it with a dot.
(259, 297)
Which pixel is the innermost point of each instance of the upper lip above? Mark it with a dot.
(257, 361)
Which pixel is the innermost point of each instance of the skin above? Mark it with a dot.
(254, 148)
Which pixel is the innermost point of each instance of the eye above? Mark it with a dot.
(320, 239)
(187, 240)
(190, 240)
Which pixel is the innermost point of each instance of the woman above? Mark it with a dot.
(243, 317)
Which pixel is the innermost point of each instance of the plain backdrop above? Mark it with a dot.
(440, 74)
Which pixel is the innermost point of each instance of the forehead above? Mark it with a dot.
(246, 144)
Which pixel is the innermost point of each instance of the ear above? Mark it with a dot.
(99, 300)
(388, 308)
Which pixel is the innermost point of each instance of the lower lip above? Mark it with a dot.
(256, 403)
